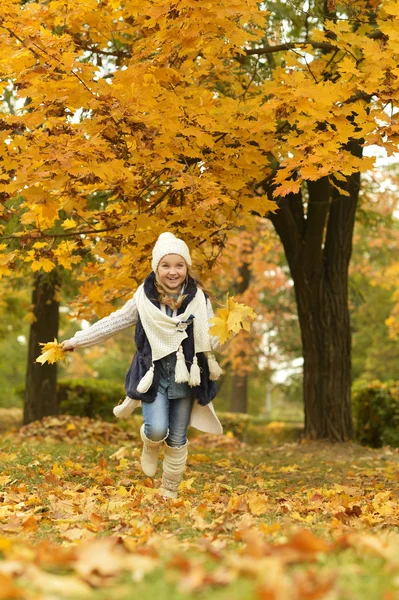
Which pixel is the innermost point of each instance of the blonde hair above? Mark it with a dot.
(162, 291)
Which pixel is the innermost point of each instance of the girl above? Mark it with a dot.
(173, 372)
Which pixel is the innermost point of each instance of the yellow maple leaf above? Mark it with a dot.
(288, 187)
(123, 463)
(219, 329)
(4, 457)
(52, 352)
(392, 8)
(187, 484)
(239, 317)
(231, 319)
(234, 503)
(258, 503)
(43, 263)
(68, 224)
(57, 470)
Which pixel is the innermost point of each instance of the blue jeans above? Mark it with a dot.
(167, 415)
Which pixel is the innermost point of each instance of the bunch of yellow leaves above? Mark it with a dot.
(52, 352)
(231, 319)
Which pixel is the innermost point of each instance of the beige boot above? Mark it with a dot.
(174, 463)
(149, 455)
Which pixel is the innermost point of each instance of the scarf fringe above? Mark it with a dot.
(215, 370)
(181, 371)
(195, 374)
(146, 381)
(193, 378)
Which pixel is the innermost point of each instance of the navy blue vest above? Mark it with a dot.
(142, 360)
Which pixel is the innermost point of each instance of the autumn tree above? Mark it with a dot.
(373, 279)
(41, 380)
(251, 268)
(236, 277)
(136, 117)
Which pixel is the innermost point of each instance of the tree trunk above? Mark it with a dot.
(41, 380)
(324, 320)
(318, 248)
(239, 393)
(239, 383)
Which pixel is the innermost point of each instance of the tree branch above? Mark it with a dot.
(38, 56)
(358, 96)
(157, 201)
(90, 46)
(57, 235)
(325, 46)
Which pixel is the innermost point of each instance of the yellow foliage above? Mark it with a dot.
(57, 470)
(52, 352)
(43, 263)
(187, 132)
(231, 319)
(69, 224)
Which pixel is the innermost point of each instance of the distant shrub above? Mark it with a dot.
(236, 423)
(376, 412)
(89, 397)
(97, 397)
(258, 430)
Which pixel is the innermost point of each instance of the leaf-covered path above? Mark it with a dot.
(298, 521)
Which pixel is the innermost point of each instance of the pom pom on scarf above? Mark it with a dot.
(146, 381)
(195, 374)
(181, 371)
(215, 370)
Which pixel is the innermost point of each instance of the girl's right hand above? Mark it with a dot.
(67, 346)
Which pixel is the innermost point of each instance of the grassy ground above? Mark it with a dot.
(296, 521)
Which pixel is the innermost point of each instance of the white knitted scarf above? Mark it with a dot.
(165, 335)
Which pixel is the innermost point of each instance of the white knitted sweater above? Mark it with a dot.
(121, 319)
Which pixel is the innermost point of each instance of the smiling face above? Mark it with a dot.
(172, 271)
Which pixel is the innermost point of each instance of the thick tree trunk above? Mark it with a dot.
(239, 393)
(326, 341)
(41, 380)
(318, 248)
(239, 383)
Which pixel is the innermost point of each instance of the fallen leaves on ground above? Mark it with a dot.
(295, 522)
(70, 429)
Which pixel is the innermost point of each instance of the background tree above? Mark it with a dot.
(41, 380)
(373, 279)
(253, 267)
(134, 119)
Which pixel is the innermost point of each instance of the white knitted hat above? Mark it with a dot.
(167, 243)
